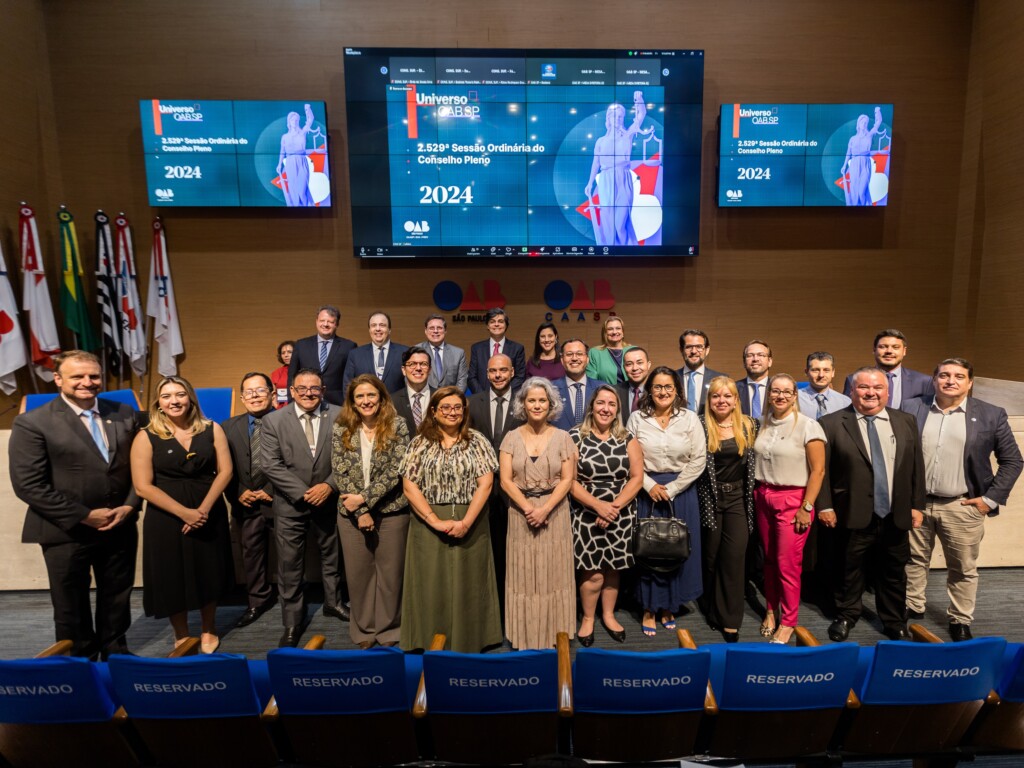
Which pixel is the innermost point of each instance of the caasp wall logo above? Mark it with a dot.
(449, 297)
(560, 297)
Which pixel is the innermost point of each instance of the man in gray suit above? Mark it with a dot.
(296, 445)
(448, 366)
(82, 508)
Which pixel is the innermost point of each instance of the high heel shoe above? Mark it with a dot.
(618, 635)
(210, 647)
(768, 630)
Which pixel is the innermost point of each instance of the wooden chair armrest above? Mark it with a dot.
(120, 716)
(710, 703)
(852, 700)
(806, 638)
(188, 648)
(685, 639)
(922, 635)
(419, 706)
(270, 712)
(60, 648)
(992, 700)
(316, 643)
(565, 705)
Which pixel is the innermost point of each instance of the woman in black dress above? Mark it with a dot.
(181, 466)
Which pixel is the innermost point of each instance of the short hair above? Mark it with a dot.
(752, 342)
(604, 329)
(960, 361)
(635, 349)
(428, 427)
(282, 345)
(432, 317)
(378, 312)
(407, 355)
(537, 382)
(825, 356)
(308, 372)
(866, 369)
(493, 312)
(331, 310)
(250, 374)
(692, 332)
(561, 348)
(893, 332)
(74, 354)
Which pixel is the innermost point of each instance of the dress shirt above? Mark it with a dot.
(897, 386)
(424, 401)
(780, 451)
(886, 437)
(681, 447)
(834, 401)
(570, 386)
(376, 353)
(632, 390)
(762, 390)
(317, 415)
(490, 347)
(943, 440)
(506, 407)
(86, 420)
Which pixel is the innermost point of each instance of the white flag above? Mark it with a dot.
(133, 331)
(161, 307)
(12, 342)
(35, 298)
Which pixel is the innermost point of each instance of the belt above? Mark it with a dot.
(945, 499)
(730, 487)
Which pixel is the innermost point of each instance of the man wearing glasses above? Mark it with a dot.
(296, 448)
(576, 388)
(411, 400)
(757, 362)
(250, 491)
(695, 346)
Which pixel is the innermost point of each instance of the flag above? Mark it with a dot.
(106, 290)
(72, 295)
(133, 333)
(12, 343)
(35, 298)
(160, 305)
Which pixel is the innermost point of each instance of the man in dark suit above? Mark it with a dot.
(490, 412)
(481, 353)
(960, 435)
(250, 491)
(576, 388)
(637, 365)
(890, 348)
(324, 352)
(448, 366)
(412, 399)
(381, 357)
(874, 492)
(695, 376)
(296, 445)
(69, 461)
(757, 362)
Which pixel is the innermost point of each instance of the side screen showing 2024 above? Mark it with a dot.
(236, 153)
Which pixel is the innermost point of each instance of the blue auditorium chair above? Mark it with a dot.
(126, 396)
(216, 403)
(1000, 724)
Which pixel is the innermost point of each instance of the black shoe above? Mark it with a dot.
(960, 632)
(914, 615)
(897, 632)
(618, 635)
(839, 630)
(731, 637)
(586, 640)
(339, 611)
(252, 614)
(290, 638)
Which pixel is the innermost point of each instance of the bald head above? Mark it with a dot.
(500, 373)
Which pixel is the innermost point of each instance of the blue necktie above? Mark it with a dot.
(691, 391)
(821, 406)
(892, 388)
(380, 362)
(438, 364)
(878, 469)
(324, 348)
(755, 403)
(577, 411)
(97, 435)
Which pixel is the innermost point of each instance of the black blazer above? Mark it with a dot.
(59, 472)
(360, 360)
(741, 388)
(915, 384)
(480, 417)
(988, 432)
(306, 354)
(848, 487)
(708, 376)
(236, 429)
(480, 353)
(400, 399)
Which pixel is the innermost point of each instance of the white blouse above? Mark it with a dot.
(680, 447)
(780, 453)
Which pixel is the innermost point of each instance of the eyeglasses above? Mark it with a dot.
(781, 392)
(755, 355)
(417, 365)
(694, 348)
(249, 394)
(449, 410)
(574, 354)
(308, 390)
(663, 388)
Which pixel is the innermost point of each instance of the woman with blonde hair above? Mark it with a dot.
(605, 362)
(181, 465)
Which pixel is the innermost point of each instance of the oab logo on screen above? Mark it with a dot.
(191, 114)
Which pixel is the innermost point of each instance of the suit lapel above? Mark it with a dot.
(922, 413)
(853, 430)
(78, 428)
(971, 419)
(324, 434)
(109, 428)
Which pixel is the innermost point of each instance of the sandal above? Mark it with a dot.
(649, 631)
(768, 630)
(669, 623)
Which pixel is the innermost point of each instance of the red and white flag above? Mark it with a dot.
(12, 343)
(160, 305)
(35, 298)
(133, 330)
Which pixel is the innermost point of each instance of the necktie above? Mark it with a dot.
(892, 388)
(636, 399)
(497, 351)
(97, 434)
(821, 406)
(417, 408)
(691, 391)
(308, 427)
(499, 415)
(878, 469)
(255, 457)
(325, 346)
(577, 410)
(755, 403)
(438, 365)
(380, 362)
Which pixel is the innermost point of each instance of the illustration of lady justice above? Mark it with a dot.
(295, 180)
(858, 161)
(613, 175)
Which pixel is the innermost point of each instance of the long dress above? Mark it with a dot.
(296, 170)
(540, 595)
(602, 469)
(184, 571)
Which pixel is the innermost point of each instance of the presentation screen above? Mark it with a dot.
(470, 153)
(236, 153)
(804, 154)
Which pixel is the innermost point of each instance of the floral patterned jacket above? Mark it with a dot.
(384, 493)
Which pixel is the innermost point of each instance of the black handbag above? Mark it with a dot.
(661, 544)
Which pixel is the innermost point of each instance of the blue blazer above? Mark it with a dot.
(915, 384)
(360, 360)
(988, 432)
(708, 376)
(480, 353)
(306, 354)
(565, 420)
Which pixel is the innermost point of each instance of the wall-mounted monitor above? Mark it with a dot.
(236, 153)
(470, 153)
(804, 155)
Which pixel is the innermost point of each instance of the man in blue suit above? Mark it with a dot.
(890, 348)
(576, 388)
(959, 436)
(325, 352)
(695, 376)
(496, 344)
(381, 357)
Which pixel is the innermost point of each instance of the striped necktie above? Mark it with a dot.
(325, 347)
(259, 479)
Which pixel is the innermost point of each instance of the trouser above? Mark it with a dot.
(890, 548)
(776, 507)
(723, 552)
(374, 567)
(254, 536)
(290, 536)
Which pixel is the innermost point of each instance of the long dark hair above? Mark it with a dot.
(536, 342)
(647, 401)
(350, 421)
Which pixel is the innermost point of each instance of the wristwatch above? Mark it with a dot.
(807, 507)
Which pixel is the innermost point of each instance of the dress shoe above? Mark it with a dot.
(254, 613)
(339, 611)
(731, 637)
(839, 630)
(897, 632)
(290, 638)
(586, 640)
(210, 647)
(618, 635)
(914, 615)
(960, 632)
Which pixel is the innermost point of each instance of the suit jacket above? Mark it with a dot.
(306, 354)
(848, 487)
(59, 472)
(236, 429)
(480, 353)
(456, 369)
(361, 360)
(400, 399)
(480, 417)
(290, 466)
(914, 384)
(384, 493)
(741, 388)
(988, 432)
(702, 398)
(625, 401)
(565, 420)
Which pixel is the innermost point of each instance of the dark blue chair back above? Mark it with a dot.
(54, 690)
(215, 402)
(625, 682)
(126, 396)
(480, 684)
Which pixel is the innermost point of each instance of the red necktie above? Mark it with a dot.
(496, 350)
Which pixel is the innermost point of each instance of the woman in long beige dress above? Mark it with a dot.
(538, 465)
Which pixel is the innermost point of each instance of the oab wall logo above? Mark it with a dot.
(579, 305)
(449, 297)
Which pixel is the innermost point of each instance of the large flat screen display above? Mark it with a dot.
(469, 153)
(236, 153)
(804, 155)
